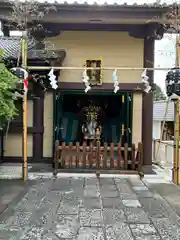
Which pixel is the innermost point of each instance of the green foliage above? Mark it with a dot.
(158, 93)
(7, 102)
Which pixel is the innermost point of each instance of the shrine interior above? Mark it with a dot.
(112, 112)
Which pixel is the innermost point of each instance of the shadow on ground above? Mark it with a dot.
(170, 192)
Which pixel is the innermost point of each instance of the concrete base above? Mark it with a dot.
(148, 169)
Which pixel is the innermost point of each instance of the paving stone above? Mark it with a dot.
(61, 188)
(48, 203)
(39, 190)
(136, 215)
(107, 181)
(34, 233)
(91, 192)
(91, 203)
(115, 203)
(34, 196)
(61, 183)
(90, 217)
(68, 208)
(91, 182)
(57, 195)
(144, 194)
(113, 216)
(79, 182)
(109, 193)
(148, 237)
(135, 181)
(29, 206)
(144, 231)
(120, 180)
(127, 196)
(78, 192)
(108, 187)
(91, 233)
(43, 216)
(42, 185)
(156, 208)
(50, 236)
(118, 232)
(9, 234)
(72, 220)
(67, 226)
(124, 188)
(71, 197)
(167, 229)
(72, 208)
(140, 188)
(19, 220)
(131, 203)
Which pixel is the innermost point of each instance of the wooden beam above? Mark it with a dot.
(67, 86)
(38, 124)
(147, 112)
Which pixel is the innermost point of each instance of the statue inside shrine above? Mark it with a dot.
(91, 129)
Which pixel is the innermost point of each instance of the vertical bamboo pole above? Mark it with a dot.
(175, 174)
(24, 65)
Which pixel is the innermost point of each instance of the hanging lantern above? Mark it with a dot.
(23, 76)
(173, 82)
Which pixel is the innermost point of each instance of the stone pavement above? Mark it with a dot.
(9, 191)
(88, 209)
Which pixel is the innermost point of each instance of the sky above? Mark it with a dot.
(165, 54)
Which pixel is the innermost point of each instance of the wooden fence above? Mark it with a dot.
(103, 158)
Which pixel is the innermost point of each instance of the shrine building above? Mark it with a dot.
(105, 35)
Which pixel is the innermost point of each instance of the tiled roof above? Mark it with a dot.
(159, 109)
(147, 3)
(11, 46)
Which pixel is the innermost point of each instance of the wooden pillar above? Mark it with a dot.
(38, 128)
(176, 162)
(147, 104)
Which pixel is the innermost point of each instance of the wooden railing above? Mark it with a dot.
(112, 159)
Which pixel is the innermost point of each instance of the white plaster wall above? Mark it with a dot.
(137, 118)
(156, 129)
(164, 155)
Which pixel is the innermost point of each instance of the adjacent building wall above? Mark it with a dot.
(156, 129)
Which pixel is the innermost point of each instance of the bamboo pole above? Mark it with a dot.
(175, 173)
(24, 65)
(96, 68)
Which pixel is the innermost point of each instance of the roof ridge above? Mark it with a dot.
(10, 38)
(125, 3)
